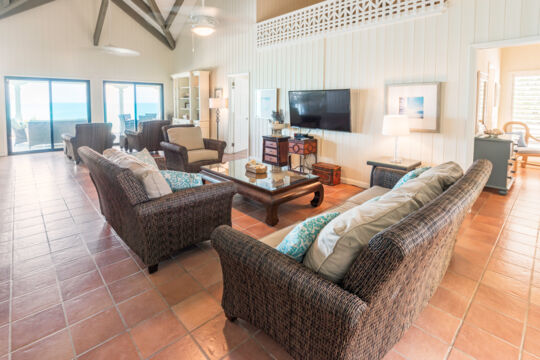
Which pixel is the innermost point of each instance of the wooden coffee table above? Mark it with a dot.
(271, 189)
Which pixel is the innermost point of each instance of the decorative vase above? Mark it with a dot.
(277, 128)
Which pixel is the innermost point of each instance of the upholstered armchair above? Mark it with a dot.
(156, 228)
(97, 137)
(524, 148)
(186, 150)
(149, 136)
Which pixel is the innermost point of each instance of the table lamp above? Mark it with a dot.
(218, 103)
(396, 125)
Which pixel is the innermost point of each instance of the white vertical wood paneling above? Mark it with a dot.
(429, 49)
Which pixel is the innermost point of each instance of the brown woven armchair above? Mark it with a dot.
(149, 136)
(96, 136)
(383, 292)
(177, 156)
(156, 229)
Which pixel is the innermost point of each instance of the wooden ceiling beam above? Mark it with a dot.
(17, 6)
(142, 21)
(100, 21)
(172, 14)
(152, 9)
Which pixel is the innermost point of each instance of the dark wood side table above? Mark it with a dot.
(276, 150)
(303, 148)
(405, 165)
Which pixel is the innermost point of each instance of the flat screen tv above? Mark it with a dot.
(321, 109)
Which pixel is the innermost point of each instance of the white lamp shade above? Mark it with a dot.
(395, 125)
(218, 103)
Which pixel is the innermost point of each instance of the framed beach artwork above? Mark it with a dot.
(420, 102)
(267, 102)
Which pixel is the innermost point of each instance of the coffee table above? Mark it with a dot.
(277, 186)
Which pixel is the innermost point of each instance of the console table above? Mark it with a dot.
(405, 165)
(303, 148)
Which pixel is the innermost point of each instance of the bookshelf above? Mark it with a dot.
(191, 91)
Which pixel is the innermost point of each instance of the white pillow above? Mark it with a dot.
(340, 242)
(154, 183)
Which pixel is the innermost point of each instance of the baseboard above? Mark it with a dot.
(358, 183)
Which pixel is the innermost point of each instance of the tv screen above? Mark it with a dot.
(321, 109)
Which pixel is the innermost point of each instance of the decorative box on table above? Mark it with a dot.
(329, 174)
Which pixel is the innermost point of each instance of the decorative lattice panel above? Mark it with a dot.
(341, 15)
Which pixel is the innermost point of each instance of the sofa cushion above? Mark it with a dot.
(445, 174)
(277, 237)
(298, 241)
(413, 174)
(147, 158)
(340, 242)
(153, 182)
(179, 180)
(188, 137)
(201, 155)
(531, 149)
(368, 194)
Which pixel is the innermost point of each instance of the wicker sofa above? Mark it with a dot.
(156, 229)
(383, 292)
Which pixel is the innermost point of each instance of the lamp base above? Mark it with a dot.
(396, 161)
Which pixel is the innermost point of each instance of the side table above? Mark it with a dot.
(405, 165)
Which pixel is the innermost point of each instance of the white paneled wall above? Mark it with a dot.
(428, 49)
(56, 40)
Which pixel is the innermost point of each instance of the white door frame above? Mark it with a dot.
(473, 50)
(230, 130)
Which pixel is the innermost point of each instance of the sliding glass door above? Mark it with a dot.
(40, 110)
(128, 104)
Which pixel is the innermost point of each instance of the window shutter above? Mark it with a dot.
(526, 102)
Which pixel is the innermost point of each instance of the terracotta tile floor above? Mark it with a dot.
(70, 288)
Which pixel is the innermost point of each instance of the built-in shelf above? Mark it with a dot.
(195, 105)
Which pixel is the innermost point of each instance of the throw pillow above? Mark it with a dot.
(188, 137)
(179, 180)
(341, 241)
(298, 241)
(153, 182)
(147, 158)
(410, 175)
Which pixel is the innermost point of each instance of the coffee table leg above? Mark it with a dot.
(318, 198)
(272, 215)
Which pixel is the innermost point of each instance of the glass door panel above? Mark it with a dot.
(148, 102)
(120, 107)
(69, 107)
(29, 115)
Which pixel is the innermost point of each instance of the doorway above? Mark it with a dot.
(239, 114)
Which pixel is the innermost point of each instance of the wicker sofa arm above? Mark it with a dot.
(386, 177)
(217, 145)
(305, 299)
(175, 155)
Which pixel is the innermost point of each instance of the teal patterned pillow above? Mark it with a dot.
(410, 175)
(298, 241)
(146, 158)
(178, 180)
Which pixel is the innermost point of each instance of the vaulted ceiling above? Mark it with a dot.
(159, 17)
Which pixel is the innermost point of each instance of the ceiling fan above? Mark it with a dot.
(203, 19)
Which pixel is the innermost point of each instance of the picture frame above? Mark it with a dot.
(218, 92)
(420, 101)
(267, 102)
(482, 80)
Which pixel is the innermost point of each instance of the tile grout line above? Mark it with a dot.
(479, 281)
(12, 269)
(529, 297)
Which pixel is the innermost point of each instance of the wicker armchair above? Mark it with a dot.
(96, 136)
(156, 229)
(177, 157)
(523, 152)
(383, 292)
(149, 136)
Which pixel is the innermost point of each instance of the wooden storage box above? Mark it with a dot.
(276, 150)
(329, 174)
